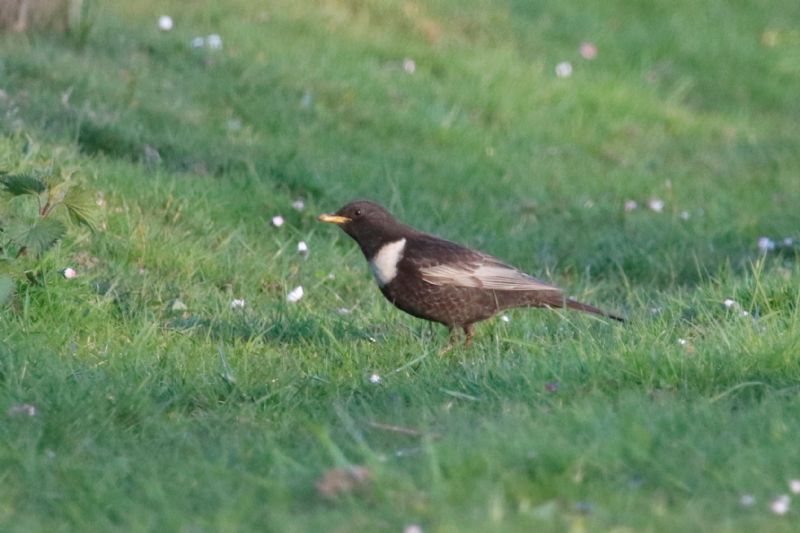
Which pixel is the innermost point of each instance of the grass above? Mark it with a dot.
(153, 417)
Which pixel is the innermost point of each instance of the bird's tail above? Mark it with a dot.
(586, 308)
(553, 299)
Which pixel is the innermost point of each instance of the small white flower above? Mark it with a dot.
(198, 42)
(744, 313)
(295, 294)
(588, 51)
(656, 204)
(765, 244)
(564, 69)
(683, 342)
(375, 378)
(165, 22)
(237, 303)
(277, 221)
(298, 205)
(788, 241)
(23, 409)
(747, 500)
(685, 215)
(69, 273)
(409, 65)
(412, 528)
(730, 304)
(780, 506)
(631, 205)
(505, 318)
(794, 486)
(302, 248)
(214, 42)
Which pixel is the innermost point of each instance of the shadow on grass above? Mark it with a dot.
(278, 328)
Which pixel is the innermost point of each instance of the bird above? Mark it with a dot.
(437, 280)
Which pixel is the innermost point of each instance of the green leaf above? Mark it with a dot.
(6, 289)
(42, 235)
(19, 184)
(80, 205)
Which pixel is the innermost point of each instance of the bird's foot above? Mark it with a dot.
(451, 342)
(468, 332)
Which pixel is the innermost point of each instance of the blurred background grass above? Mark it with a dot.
(194, 149)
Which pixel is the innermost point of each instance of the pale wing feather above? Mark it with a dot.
(485, 275)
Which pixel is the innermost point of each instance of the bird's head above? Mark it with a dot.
(368, 223)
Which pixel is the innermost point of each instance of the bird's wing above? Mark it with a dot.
(483, 275)
(462, 267)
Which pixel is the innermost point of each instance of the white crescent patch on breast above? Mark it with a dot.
(384, 263)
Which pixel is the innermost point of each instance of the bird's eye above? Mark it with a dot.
(358, 212)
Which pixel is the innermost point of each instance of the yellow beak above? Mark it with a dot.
(333, 219)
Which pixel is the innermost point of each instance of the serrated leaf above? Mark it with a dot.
(80, 205)
(57, 191)
(19, 184)
(6, 289)
(42, 235)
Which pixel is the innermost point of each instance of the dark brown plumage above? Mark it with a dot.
(439, 280)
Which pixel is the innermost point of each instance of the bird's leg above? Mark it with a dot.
(451, 341)
(468, 331)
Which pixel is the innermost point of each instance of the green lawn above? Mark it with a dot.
(158, 407)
